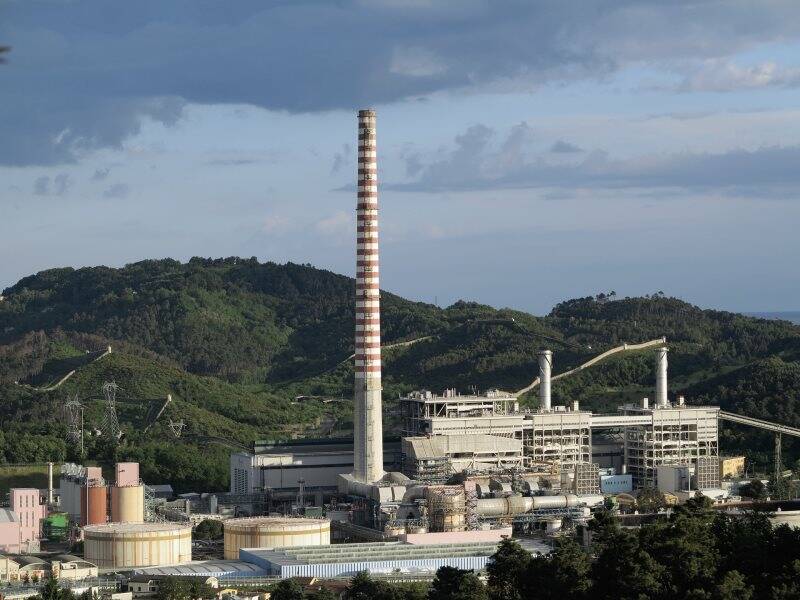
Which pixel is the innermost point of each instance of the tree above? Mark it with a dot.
(755, 490)
(561, 575)
(52, 591)
(733, 586)
(650, 500)
(505, 569)
(623, 570)
(456, 584)
(323, 593)
(209, 529)
(363, 587)
(288, 589)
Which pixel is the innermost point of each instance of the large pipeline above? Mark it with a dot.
(518, 505)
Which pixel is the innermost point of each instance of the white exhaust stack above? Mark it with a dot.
(662, 400)
(368, 425)
(545, 372)
(50, 484)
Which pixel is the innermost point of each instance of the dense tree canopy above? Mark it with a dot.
(236, 342)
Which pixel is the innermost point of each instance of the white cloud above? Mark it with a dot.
(719, 75)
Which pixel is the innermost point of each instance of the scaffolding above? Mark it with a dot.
(587, 478)
(446, 508)
(707, 473)
(674, 436)
(562, 437)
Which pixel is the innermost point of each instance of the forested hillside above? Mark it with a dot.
(236, 342)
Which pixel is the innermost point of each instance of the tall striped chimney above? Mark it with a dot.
(368, 425)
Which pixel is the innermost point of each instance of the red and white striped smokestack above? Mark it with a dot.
(368, 425)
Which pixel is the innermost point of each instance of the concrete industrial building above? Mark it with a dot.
(344, 560)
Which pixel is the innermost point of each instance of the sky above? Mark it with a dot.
(529, 151)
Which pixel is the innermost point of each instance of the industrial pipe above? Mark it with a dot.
(545, 372)
(662, 401)
(518, 505)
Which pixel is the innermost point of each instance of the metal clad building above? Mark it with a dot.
(380, 557)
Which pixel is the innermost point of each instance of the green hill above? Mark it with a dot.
(236, 343)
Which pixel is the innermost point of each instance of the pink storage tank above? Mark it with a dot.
(127, 473)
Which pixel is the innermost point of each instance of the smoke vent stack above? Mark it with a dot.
(545, 372)
(662, 401)
(645, 402)
(368, 426)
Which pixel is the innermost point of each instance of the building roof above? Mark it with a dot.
(26, 560)
(209, 568)
(7, 516)
(369, 552)
(134, 527)
(425, 448)
(69, 558)
(161, 488)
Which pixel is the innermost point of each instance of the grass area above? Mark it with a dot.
(23, 476)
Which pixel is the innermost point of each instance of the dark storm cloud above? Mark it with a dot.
(84, 74)
(475, 163)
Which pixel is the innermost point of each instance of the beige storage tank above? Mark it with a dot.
(120, 545)
(272, 532)
(127, 504)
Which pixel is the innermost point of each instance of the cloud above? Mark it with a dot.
(41, 187)
(337, 224)
(117, 191)
(717, 75)
(60, 185)
(474, 163)
(100, 174)
(275, 224)
(342, 159)
(231, 162)
(87, 75)
(562, 147)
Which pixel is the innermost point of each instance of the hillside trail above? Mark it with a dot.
(616, 350)
(66, 377)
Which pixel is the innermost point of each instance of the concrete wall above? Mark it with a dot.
(25, 504)
(457, 537)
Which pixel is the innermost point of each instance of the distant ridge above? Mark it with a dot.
(789, 315)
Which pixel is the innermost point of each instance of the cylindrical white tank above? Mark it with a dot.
(120, 545)
(545, 373)
(272, 532)
(127, 504)
(662, 399)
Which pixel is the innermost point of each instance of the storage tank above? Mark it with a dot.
(131, 545)
(127, 504)
(94, 505)
(271, 532)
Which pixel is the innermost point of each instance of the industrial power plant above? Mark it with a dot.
(469, 470)
(477, 466)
